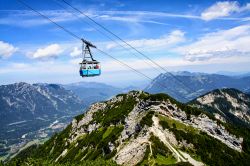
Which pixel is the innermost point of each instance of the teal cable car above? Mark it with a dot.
(89, 67)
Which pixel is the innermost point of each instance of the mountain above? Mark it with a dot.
(237, 74)
(22, 101)
(186, 86)
(33, 111)
(138, 128)
(226, 104)
(91, 92)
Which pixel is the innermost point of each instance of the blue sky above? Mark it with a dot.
(194, 35)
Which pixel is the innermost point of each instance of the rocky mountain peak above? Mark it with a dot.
(227, 104)
(140, 128)
(39, 99)
(20, 84)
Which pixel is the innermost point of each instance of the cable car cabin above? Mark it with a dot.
(90, 68)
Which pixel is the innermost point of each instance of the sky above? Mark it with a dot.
(192, 35)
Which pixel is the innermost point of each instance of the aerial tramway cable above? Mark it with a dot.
(152, 61)
(150, 64)
(77, 37)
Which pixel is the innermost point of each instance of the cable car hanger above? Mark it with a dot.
(89, 67)
(86, 50)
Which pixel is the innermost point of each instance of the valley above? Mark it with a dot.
(15, 136)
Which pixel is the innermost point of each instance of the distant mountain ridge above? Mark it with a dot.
(91, 92)
(186, 86)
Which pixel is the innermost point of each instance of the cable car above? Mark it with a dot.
(89, 67)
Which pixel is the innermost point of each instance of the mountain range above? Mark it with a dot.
(31, 111)
(91, 92)
(186, 86)
(23, 101)
(139, 128)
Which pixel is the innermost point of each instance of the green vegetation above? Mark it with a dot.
(96, 144)
(108, 132)
(147, 120)
(164, 124)
(210, 150)
(145, 160)
(116, 113)
(167, 123)
(181, 164)
(119, 95)
(163, 160)
(160, 153)
(240, 131)
(79, 117)
(157, 97)
(159, 147)
(39, 162)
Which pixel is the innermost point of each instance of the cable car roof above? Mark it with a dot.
(89, 62)
(88, 43)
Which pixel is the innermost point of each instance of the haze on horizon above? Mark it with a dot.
(207, 36)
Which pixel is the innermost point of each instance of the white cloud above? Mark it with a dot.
(223, 9)
(223, 43)
(6, 49)
(147, 14)
(133, 19)
(76, 52)
(52, 50)
(30, 18)
(165, 41)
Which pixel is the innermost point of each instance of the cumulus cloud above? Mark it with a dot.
(223, 43)
(75, 52)
(223, 9)
(52, 50)
(165, 41)
(6, 49)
